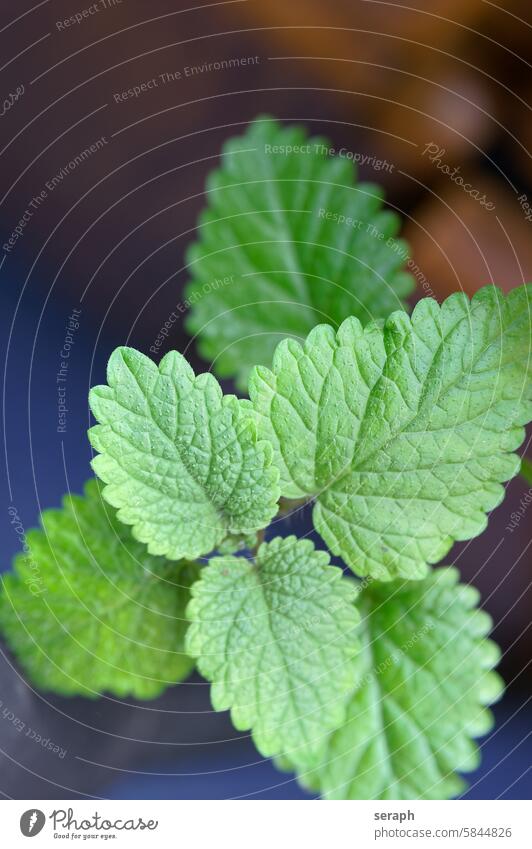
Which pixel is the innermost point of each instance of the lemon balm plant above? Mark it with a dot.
(369, 679)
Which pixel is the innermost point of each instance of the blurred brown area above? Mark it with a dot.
(378, 77)
(451, 74)
(381, 78)
(442, 91)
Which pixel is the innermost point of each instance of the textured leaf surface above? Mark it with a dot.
(181, 461)
(403, 434)
(275, 257)
(426, 678)
(276, 639)
(87, 610)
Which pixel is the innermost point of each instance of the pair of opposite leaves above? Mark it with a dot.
(424, 413)
(402, 433)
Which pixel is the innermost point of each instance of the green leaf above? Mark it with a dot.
(425, 672)
(274, 255)
(87, 610)
(276, 638)
(404, 433)
(181, 461)
(526, 470)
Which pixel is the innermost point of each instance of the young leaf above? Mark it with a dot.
(181, 461)
(290, 239)
(276, 638)
(403, 433)
(88, 611)
(425, 672)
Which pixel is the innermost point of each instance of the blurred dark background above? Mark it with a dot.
(382, 78)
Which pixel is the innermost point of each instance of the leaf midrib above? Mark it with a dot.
(225, 519)
(352, 467)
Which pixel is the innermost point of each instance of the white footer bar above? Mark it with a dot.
(267, 824)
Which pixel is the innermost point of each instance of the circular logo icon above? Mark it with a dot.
(32, 822)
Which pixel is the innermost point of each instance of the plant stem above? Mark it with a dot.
(290, 505)
(260, 540)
